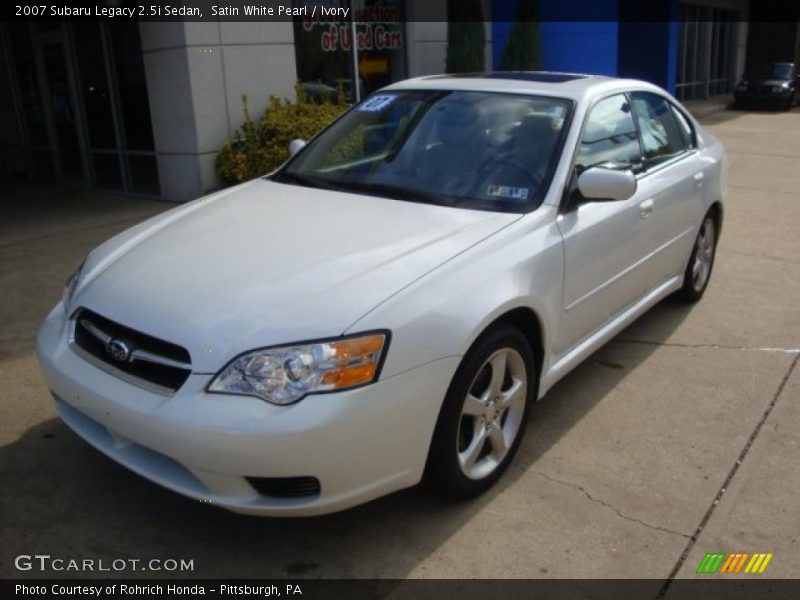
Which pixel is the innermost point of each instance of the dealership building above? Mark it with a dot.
(144, 107)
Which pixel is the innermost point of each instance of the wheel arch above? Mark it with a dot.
(527, 322)
(716, 212)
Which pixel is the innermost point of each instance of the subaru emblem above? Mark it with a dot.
(118, 350)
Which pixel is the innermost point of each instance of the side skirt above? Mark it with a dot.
(580, 352)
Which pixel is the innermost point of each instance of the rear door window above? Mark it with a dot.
(662, 139)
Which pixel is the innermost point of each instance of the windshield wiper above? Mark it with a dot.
(394, 192)
(375, 189)
(304, 180)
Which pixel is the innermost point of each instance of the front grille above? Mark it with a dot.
(285, 487)
(142, 359)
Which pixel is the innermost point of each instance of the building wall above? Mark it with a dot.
(625, 47)
(580, 47)
(575, 46)
(773, 42)
(196, 76)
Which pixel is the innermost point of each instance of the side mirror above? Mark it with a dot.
(295, 146)
(598, 184)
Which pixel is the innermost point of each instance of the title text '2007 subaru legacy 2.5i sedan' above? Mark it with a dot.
(384, 308)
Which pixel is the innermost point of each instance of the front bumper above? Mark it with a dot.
(360, 444)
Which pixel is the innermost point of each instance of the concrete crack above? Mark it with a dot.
(712, 346)
(727, 482)
(616, 510)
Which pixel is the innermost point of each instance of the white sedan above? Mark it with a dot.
(385, 307)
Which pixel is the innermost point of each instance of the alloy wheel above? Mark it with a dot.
(704, 254)
(492, 413)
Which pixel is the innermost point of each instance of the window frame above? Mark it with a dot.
(638, 167)
(566, 203)
(651, 168)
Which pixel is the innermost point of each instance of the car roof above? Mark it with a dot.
(577, 86)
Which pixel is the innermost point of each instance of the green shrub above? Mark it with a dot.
(466, 37)
(261, 146)
(522, 49)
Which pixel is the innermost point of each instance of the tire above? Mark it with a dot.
(483, 416)
(701, 261)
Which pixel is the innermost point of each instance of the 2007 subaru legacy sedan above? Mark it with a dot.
(385, 307)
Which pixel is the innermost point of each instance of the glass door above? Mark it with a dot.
(61, 110)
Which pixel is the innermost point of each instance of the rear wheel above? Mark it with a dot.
(701, 262)
(483, 416)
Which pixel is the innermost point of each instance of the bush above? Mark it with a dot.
(466, 37)
(261, 146)
(522, 49)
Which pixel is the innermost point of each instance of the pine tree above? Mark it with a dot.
(466, 37)
(522, 48)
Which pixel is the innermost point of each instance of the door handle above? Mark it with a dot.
(698, 178)
(646, 207)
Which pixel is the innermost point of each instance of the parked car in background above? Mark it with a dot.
(386, 306)
(775, 83)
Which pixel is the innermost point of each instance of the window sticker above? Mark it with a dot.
(376, 103)
(507, 191)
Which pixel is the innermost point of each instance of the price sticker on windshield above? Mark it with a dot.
(376, 103)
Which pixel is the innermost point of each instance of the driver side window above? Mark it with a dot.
(609, 136)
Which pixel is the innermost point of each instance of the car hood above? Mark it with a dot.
(267, 263)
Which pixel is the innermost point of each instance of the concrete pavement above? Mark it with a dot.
(621, 473)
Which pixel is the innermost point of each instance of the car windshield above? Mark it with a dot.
(479, 150)
(773, 71)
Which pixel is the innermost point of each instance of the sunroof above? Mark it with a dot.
(541, 76)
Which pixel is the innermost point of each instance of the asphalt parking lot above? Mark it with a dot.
(680, 437)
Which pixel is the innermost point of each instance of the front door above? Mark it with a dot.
(606, 244)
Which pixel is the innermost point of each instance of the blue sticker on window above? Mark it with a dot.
(507, 191)
(376, 103)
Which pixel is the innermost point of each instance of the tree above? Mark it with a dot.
(522, 48)
(466, 37)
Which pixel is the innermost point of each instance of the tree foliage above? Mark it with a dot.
(260, 146)
(466, 37)
(523, 46)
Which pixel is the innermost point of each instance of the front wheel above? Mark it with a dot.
(483, 416)
(701, 262)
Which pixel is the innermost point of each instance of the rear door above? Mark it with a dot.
(673, 179)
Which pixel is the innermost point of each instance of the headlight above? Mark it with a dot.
(286, 374)
(70, 285)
